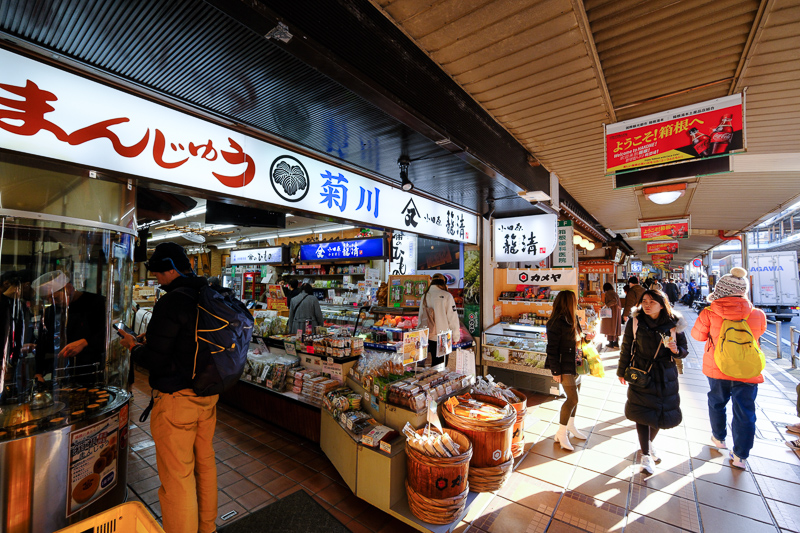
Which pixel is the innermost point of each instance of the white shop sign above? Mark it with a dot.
(52, 113)
(257, 256)
(530, 238)
(404, 255)
(541, 276)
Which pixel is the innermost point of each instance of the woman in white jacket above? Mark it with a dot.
(438, 313)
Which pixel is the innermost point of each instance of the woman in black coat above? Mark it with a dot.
(563, 336)
(654, 337)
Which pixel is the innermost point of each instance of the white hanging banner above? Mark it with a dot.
(541, 276)
(530, 238)
(257, 256)
(404, 255)
(48, 112)
(564, 255)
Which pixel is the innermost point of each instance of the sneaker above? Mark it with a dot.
(654, 454)
(737, 461)
(794, 445)
(719, 444)
(648, 465)
(794, 428)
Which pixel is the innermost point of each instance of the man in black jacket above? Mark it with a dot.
(183, 423)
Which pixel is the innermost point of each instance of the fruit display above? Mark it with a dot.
(402, 322)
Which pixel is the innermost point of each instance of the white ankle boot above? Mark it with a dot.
(562, 438)
(574, 430)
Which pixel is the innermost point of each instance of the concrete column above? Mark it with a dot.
(746, 262)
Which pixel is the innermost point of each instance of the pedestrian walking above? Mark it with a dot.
(729, 302)
(611, 326)
(652, 341)
(632, 297)
(563, 340)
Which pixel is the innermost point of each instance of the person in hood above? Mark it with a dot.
(183, 423)
(438, 313)
(653, 339)
(729, 301)
(632, 297)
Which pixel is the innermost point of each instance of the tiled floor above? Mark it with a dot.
(598, 487)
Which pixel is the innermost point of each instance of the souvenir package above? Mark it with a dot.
(488, 387)
(467, 407)
(432, 444)
(340, 400)
(376, 435)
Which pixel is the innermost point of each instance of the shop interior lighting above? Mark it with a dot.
(330, 230)
(227, 245)
(664, 194)
(590, 246)
(403, 162)
(576, 240)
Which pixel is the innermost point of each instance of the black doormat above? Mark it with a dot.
(296, 513)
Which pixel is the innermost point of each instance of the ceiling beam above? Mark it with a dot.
(764, 9)
(591, 50)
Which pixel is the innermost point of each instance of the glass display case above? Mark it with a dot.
(515, 344)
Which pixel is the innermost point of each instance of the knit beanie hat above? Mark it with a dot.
(733, 284)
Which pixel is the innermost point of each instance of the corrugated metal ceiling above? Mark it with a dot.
(553, 71)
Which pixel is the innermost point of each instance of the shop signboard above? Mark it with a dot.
(258, 256)
(714, 128)
(662, 247)
(373, 248)
(564, 256)
(596, 268)
(636, 267)
(403, 260)
(661, 258)
(664, 230)
(53, 113)
(526, 239)
(541, 276)
(93, 463)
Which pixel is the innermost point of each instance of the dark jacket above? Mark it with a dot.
(672, 292)
(561, 345)
(304, 307)
(169, 349)
(659, 404)
(632, 298)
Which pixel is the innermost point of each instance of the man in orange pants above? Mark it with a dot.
(183, 423)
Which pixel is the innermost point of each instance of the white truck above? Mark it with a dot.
(774, 280)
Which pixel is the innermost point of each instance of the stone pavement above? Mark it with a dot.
(600, 486)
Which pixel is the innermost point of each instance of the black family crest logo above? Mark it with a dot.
(289, 178)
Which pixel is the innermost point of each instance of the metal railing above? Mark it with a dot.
(777, 344)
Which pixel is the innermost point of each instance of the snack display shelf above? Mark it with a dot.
(518, 368)
(391, 347)
(286, 394)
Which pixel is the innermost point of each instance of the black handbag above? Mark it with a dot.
(636, 376)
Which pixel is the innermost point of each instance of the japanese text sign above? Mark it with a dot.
(93, 463)
(636, 267)
(664, 230)
(596, 268)
(661, 258)
(706, 129)
(564, 255)
(404, 254)
(662, 247)
(540, 276)
(343, 250)
(51, 113)
(257, 256)
(530, 238)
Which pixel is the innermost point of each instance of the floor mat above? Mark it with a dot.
(296, 513)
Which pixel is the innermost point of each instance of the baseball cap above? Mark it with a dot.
(168, 256)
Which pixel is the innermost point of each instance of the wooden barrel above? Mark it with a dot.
(437, 487)
(491, 439)
(491, 478)
(518, 436)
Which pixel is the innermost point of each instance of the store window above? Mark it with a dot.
(65, 278)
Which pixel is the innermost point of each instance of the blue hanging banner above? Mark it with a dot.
(344, 250)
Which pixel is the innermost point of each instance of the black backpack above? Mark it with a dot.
(223, 333)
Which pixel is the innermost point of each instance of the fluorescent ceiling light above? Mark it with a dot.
(222, 246)
(194, 212)
(166, 236)
(329, 230)
(534, 196)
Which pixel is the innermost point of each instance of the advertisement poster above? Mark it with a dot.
(92, 463)
(415, 346)
(564, 276)
(529, 239)
(662, 247)
(564, 256)
(708, 129)
(661, 258)
(444, 343)
(664, 230)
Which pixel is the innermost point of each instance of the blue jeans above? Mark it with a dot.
(744, 412)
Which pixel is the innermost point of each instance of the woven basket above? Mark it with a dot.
(490, 478)
(433, 511)
(491, 439)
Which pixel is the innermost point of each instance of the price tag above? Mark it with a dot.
(290, 348)
(351, 372)
(264, 373)
(330, 359)
(248, 377)
(268, 384)
(464, 383)
(448, 389)
(376, 390)
(366, 396)
(386, 447)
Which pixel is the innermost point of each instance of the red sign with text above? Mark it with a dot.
(664, 230)
(662, 247)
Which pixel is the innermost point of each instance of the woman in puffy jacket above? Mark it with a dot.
(653, 339)
(438, 313)
(563, 338)
(729, 302)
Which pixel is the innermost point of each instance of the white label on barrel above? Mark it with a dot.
(497, 455)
